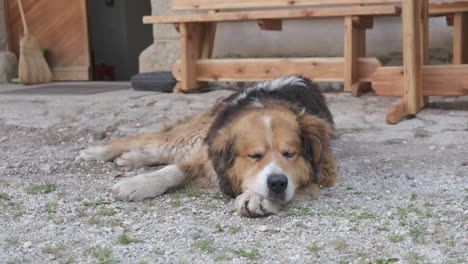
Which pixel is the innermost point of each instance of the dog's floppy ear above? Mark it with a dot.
(315, 135)
(222, 153)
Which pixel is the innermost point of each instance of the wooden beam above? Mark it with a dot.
(270, 24)
(395, 112)
(441, 8)
(439, 80)
(189, 49)
(317, 69)
(460, 38)
(411, 16)
(232, 4)
(363, 22)
(276, 14)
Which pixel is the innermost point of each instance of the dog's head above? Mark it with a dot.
(270, 149)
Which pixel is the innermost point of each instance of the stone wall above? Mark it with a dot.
(3, 32)
(315, 37)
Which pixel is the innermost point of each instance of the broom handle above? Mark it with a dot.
(25, 26)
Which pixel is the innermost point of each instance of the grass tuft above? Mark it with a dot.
(204, 245)
(246, 254)
(192, 191)
(4, 196)
(124, 239)
(41, 188)
(104, 255)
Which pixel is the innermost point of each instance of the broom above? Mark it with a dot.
(33, 68)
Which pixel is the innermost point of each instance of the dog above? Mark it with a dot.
(263, 146)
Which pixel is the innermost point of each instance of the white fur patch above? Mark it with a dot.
(251, 204)
(96, 153)
(136, 158)
(272, 85)
(149, 185)
(260, 185)
(269, 132)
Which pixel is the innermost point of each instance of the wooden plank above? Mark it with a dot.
(189, 49)
(276, 14)
(270, 24)
(395, 112)
(411, 16)
(441, 8)
(232, 4)
(351, 53)
(317, 69)
(438, 80)
(61, 27)
(460, 38)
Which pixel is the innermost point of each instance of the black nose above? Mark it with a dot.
(277, 183)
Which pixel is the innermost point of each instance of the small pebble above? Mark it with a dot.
(195, 234)
(27, 244)
(262, 228)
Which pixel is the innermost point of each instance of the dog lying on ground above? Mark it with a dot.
(264, 146)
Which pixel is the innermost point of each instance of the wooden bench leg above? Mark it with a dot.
(189, 52)
(355, 47)
(395, 112)
(413, 22)
(460, 38)
(196, 42)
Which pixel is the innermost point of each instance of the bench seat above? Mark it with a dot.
(444, 8)
(380, 10)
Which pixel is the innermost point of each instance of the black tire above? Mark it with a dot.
(154, 81)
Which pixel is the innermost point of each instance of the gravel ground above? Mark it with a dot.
(402, 196)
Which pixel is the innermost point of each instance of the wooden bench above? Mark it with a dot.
(438, 80)
(197, 33)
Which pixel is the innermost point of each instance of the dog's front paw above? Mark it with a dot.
(96, 153)
(251, 204)
(138, 188)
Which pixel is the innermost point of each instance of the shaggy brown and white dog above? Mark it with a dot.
(264, 146)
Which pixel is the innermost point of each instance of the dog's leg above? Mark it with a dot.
(308, 192)
(174, 145)
(198, 169)
(251, 204)
(328, 172)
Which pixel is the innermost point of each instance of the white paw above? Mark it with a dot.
(139, 188)
(251, 204)
(133, 159)
(96, 153)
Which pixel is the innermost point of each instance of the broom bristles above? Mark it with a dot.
(33, 68)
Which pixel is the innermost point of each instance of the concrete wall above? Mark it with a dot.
(315, 37)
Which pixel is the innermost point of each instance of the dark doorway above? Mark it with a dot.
(117, 37)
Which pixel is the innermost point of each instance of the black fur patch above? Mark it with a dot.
(222, 161)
